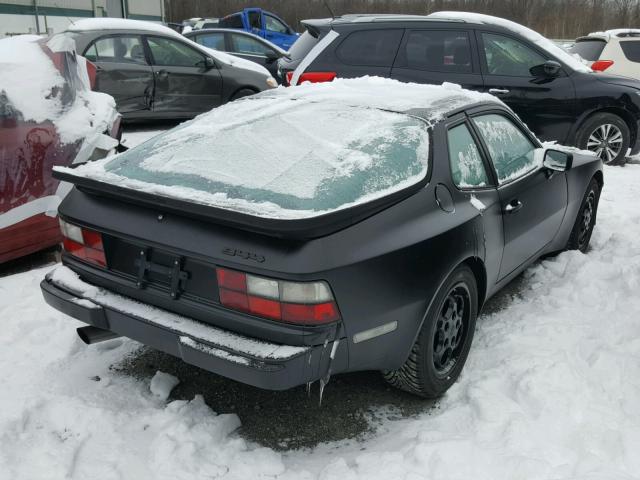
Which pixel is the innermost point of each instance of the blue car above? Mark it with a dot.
(263, 24)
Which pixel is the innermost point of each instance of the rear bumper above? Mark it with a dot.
(262, 364)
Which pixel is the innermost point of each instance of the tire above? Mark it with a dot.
(243, 92)
(427, 372)
(586, 219)
(606, 134)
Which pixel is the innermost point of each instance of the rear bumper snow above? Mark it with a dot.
(262, 364)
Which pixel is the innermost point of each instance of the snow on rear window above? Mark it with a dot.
(285, 160)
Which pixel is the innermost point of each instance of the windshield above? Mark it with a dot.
(275, 159)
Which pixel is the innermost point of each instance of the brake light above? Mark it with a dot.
(304, 303)
(92, 71)
(313, 77)
(83, 243)
(601, 65)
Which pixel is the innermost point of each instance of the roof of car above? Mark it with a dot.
(193, 33)
(615, 33)
(91, 24)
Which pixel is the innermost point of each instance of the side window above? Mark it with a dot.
(631, 50)
(373, 48)
(438, 51)
(274, 25)
(467, 169)
(512, 153)
(506, 56)
(254, 20)
(118, 49)
(167, 52)
(232, 21)
(212, 40)
(246, 44)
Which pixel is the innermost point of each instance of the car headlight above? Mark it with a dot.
(272, 82)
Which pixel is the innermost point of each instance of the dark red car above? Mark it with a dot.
(48, 116)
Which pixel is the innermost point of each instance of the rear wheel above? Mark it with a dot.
(607, 135)
(586, 219)
(443, 344)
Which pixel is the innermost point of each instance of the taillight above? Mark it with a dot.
(601, 65)
(92, 71)
(305, 303)
(313, 77)
(83, 243)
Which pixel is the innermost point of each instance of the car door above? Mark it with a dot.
(546, 104)
(533, 199)
(123, 71)
(472, 176)
(435, 56)
(250, 48)
(277, 32)
(186, 82)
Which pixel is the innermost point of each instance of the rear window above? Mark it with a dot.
(276, 163)
(232, 21)
(302, 46)
(373, 48)
(590, 49)
(631, 50)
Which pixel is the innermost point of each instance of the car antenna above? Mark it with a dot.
(326, 4)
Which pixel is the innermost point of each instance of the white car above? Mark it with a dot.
(616, 51)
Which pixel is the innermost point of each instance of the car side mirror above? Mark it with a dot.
(272, 56)
(557, 161)
(209, 63)
(548, 69)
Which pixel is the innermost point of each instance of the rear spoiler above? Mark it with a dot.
(305, 228)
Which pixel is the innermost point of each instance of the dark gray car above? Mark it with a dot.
(155, 73)
(241, 44)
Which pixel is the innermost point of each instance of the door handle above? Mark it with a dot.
(498, 91)
(513, 206)
(162, 74)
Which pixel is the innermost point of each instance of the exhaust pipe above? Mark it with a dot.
(91, 335)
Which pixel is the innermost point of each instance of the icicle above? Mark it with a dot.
(309, 389)
(322, 384)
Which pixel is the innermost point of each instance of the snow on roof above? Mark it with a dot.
(572, 61)
(33, 86)
(618, 32)
(296, 152)
(89, 24)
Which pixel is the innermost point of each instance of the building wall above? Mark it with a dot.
(19, 16)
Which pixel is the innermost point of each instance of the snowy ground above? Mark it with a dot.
(550, 390)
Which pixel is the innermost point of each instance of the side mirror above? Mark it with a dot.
(557, 161)
(209, 63)
(272, 56)
(550, 68)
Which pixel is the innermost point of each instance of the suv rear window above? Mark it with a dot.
(373, 48)
(631, 50)
(589, 49)
(302, 46)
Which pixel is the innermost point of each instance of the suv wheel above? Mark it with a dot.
(443, 344)
(607, 135)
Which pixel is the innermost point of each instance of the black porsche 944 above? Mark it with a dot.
(308, 231)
